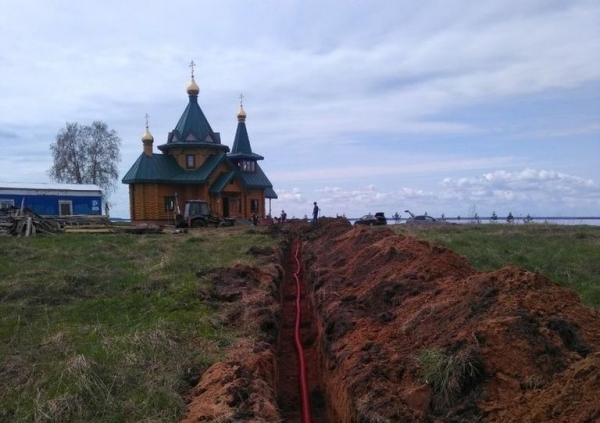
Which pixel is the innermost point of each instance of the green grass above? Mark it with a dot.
(109, 328)
(569, 255)
(449, 374)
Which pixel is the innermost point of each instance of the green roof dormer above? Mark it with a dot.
(193, 129)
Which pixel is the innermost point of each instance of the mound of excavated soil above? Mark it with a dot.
(242, 387)
(382, 300)
(407, 331)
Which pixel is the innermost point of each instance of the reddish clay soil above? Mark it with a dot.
(374, 302)
(243, 387)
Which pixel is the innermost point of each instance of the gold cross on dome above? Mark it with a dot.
(146, 116)
(192, 64)
(241, 100)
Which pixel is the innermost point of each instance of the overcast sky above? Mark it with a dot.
(442, 106)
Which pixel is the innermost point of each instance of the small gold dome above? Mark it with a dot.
(147, 136)
(241, 115)
(192, 88)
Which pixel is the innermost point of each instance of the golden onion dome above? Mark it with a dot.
(241, 115)
(147, 135)
(192, 88)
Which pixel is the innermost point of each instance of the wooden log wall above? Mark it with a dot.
(147, 201)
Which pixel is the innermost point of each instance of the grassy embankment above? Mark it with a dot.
(569, 255)
(98, 328)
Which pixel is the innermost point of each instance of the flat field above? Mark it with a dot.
(109, 327)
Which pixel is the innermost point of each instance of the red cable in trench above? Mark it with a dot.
(299, 350)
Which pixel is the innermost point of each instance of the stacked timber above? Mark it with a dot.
(81, 221)
(22, 221)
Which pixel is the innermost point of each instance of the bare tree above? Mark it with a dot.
(86, 155)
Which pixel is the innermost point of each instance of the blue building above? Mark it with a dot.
(53, 199)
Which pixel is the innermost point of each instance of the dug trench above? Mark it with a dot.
(396, 329)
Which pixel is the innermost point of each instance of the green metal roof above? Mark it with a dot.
(155, 168)
(219, 185)
(241, 145)
(164, 168)
(256, 179)
(270, 193)
(203, 172)
(191, 144)
(193, 130)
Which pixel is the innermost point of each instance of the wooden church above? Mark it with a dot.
(194, 165)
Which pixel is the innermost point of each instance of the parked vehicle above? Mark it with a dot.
(421, 219)
(197, 214)
(372, 220)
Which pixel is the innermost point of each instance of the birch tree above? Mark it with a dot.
(86, 155)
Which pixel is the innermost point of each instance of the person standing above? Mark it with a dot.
(315, 214)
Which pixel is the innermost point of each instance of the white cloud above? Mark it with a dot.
(552, 194)
(528, 189)
(340, 95)
(295, 196)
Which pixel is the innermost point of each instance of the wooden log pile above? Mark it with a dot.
(22, 221)
(80, 221)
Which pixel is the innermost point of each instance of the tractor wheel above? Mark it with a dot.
(198, 223)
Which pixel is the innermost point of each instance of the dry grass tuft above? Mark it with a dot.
(449, 375)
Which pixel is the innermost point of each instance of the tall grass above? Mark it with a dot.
(97, 328)
(449, 374)
(569, 255)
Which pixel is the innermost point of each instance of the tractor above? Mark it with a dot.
(197, 214)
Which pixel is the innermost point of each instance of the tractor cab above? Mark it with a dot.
(197, 214)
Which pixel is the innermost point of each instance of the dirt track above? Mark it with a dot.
(376, 302)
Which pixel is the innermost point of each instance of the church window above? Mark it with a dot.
(253, 206)
(169, 204)
(248, 166)
(190, 161)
